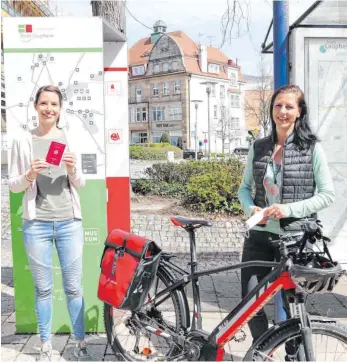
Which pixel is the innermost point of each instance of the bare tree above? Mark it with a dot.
(235, 21)
(111, 10)
(257, 99)
(225, 131)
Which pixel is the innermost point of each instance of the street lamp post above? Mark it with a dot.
(209, 85)
(196, 102)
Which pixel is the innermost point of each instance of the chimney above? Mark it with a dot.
(230, 62)
(203, 58)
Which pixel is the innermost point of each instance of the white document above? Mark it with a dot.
(253, 220)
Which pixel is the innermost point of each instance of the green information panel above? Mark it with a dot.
(51, 54)
(93, 198)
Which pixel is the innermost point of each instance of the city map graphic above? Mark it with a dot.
(79, 77)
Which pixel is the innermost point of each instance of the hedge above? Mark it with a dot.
(154, 151)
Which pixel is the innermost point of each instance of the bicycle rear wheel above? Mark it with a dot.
(130, 341)
(329, 339)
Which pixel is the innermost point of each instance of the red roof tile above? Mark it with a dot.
(137, 55)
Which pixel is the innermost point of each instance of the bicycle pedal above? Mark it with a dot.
(240, 336)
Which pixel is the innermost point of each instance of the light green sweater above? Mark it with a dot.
(323, 197)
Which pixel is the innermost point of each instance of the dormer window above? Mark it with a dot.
(213, 68)
(165, 67)
(139, 70)
(232, 79)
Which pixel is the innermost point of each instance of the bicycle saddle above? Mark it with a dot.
(183, 221)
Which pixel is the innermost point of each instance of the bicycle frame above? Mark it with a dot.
(268, 287)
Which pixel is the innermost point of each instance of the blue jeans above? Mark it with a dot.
(38, 241)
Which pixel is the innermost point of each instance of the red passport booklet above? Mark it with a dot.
(55, 153)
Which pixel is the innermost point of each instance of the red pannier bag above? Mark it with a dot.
(128, 267)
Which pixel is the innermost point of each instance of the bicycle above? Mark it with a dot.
(161, 330)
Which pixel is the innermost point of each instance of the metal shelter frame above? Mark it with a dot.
(268, 48)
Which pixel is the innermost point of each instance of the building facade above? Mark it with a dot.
(258, 93)
(166, 72)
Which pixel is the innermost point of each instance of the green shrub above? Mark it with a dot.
(213, 154)
(165, 138)
(201, 185)
(214, 191)
(175, 172)
(150, 187)
(153, 151)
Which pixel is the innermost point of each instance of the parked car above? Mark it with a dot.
(241, 151)
(190, 154)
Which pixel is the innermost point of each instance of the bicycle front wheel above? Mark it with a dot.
(126, 335)
(329, 340)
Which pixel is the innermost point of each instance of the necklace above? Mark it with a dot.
(275, 189)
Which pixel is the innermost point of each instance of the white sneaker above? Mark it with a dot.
(45, 353)
(81, 352)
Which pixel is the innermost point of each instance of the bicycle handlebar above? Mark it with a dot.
(312, 232)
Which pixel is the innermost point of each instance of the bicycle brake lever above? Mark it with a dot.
(324, 238)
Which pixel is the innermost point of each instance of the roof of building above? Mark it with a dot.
(139, 54)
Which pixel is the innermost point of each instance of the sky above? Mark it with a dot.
(201, 21)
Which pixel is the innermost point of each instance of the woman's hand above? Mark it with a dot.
(69, 159)
(265, 218)
(276, 211)
(36, 167)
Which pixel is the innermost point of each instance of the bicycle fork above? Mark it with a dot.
(298, 309)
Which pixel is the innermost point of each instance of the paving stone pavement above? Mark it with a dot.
(219, 294)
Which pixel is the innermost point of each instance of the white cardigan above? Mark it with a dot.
(21, 157)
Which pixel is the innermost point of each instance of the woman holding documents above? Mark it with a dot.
(43, 166)
(290, 175)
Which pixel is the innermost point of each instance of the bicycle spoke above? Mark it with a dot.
(327, 348)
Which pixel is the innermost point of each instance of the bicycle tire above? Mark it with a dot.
(177, 296)
(264, 348)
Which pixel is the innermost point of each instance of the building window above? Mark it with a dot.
(213, 68)
(177, 87)
(234, 100)
(155, 90)
(213, 90)
(235, 123)
(138, 93)
(174, 66)
(237, 101)
(132, 115)
(232, 79)
(223, 112)
(140, 70)
(156, 136)
(139, 137)
(222, 91)
(175, 113)
(165, 67)
(158, 113)
(166, 89)
(176, 138)
(141, 114)
(215, 112)
(156, 68)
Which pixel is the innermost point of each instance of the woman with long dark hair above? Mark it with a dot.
(292, 183)
(51, 215)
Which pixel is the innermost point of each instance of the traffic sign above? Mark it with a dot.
(205, 140)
